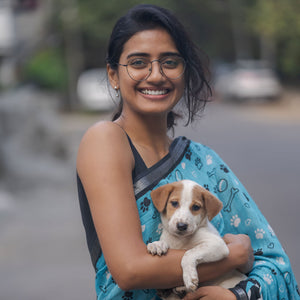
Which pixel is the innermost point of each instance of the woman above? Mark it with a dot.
(153, 65)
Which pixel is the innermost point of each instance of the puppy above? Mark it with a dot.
(186, 210)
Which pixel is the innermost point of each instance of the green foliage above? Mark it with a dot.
(97, 18)
(47, 69)
(279, 20)
(212, 24)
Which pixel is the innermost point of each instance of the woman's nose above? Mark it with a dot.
(155, 72)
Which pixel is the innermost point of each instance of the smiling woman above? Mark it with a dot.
(153, 65)
(148, 88)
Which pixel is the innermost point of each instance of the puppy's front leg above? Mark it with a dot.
(203, 253)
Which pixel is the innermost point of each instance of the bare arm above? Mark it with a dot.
(105, 163)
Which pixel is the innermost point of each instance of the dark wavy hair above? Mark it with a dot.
(146, 17)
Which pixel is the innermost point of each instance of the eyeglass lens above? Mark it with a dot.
(139, 69)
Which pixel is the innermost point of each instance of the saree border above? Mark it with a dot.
(153, 176)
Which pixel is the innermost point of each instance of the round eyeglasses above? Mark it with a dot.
(139, 69)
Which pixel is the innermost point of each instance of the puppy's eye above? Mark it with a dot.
(196, 207)
(175, 204)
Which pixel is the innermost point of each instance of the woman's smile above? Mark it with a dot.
(154, 91)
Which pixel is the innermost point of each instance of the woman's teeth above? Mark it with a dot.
(154, 92)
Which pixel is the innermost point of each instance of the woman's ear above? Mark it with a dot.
(112, 77)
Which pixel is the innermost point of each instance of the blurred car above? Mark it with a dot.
(246, 80)
(94, 92)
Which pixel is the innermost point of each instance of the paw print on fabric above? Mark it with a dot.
(259, 252)
(188, 154)
(209, 159)
(235, 221)
(268, 279)
(198, 163)
(145, 204)
(155, 214)
(127, 295)
(280, 260)
(259, 234)
(224, 168)
(206, 187)
(274, 272)
(159, 228)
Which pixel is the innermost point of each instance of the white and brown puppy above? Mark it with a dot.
(186, 209)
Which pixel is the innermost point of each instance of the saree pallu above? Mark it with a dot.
(271, 277)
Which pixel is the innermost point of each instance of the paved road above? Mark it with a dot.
(42, 252)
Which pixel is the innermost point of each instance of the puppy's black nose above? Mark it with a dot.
(182, 226)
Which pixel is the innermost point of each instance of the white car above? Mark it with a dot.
(246, 80)
(94, 91)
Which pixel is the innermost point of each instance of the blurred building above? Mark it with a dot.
(22, 27)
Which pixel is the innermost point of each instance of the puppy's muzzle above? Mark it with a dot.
(182, 226)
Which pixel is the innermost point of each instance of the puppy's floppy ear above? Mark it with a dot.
(161, 195)
(212, 203)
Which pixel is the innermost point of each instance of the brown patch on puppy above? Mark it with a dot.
(174, 200)
(212, 205)
(197, 205)
(161, 195)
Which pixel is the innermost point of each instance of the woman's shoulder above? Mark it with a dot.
(104, 131)
(105, 139)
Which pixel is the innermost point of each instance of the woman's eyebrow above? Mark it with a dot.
(144, 54)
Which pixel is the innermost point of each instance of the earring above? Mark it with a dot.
(117, 92)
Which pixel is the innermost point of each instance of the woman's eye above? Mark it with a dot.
(138, 63)
(196, 207)
(170, 63)
(175, 204)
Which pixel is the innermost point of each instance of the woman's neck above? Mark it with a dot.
(149, 134)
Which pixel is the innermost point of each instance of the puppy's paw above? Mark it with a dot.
(158, 248)
(180, 291)
(190, 282)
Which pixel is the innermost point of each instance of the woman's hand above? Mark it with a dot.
(210, 293)
(241, 251)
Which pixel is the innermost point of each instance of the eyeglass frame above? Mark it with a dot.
(150, 70)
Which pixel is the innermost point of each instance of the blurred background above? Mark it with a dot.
(53, 87)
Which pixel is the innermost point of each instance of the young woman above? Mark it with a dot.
(153, 65)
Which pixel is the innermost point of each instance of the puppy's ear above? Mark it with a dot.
(212, 203)
(161, 195)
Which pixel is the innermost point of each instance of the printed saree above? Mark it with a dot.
(271, 277)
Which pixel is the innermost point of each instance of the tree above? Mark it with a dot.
(278, 24)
